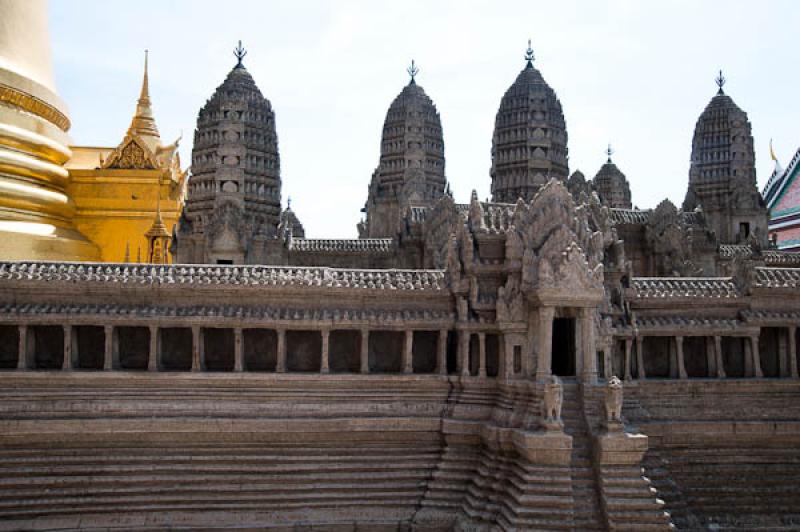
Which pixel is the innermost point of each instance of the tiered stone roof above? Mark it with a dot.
(239, 312)
(223, 275)
(687, 323)
(685, 287)
(777, 278)
(355, 245)
(771, 257)
(637, 217)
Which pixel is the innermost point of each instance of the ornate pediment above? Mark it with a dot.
(132, 154)
(562, 256)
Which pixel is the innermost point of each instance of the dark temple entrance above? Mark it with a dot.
(563, 355)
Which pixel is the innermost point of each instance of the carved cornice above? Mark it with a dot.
(685, 287)
(236, 313)
(230, 276)
(34, 105)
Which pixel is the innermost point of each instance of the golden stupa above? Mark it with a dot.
(64, 202)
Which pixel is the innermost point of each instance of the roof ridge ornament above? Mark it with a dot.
(529, 55)
(239, 52)
(609, 152)
(720, 82)
(413, 70)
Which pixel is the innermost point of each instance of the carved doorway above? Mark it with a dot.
(562, 361)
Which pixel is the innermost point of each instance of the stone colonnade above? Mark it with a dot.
(109, 351)
(634, 353)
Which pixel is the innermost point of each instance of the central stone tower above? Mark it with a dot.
(233, 205)
(529, 145)
(411, 168)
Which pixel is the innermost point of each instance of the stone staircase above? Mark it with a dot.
(102, 485)
(758, 481)
(588, 512)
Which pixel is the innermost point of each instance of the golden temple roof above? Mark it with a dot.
(143, 124)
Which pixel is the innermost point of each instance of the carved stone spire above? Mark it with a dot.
(143, 124)
(529, 145)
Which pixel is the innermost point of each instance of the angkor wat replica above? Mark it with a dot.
(553, 359)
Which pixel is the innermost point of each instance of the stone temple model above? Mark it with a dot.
(551, 360)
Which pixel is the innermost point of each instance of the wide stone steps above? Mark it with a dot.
(760, 482)
(361, 480)
(631, 502)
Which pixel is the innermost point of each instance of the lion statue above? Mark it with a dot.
(553, 397)
(614, 400)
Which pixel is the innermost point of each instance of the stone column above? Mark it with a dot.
(238, 354)
(679, 355)
(463, 352)
(711, 362)
(280, 364)
(108, 354)
(628, 346)
(441, 355)
(546, 315)
(640, 373)
(324, 362)
(608, 368)
(588, 346)
(792, 352)
(197, 349)
(481, 354)
(756, 357)
(22, 347)
(408, 352)
(153, 361)
(718, 357)
(783, 355)
(67, 363)
(364, 350)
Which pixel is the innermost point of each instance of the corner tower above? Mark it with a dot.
(411, 167)
(611, 185)
(529, 145)
(234, 196)
(722, 175)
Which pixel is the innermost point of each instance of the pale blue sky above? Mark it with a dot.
(633, 73)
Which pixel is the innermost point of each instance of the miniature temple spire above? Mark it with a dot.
(157, 236)
(720, 80)
(529, 55)
(412, 71)
(143, 124)
(239, 52)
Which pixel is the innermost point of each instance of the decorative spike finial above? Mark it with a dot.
(145, 93)
(772, 152)
(720, 82)
(609, 152)
(412, 71)
(239, 52)
(289, 203)
(529, 54)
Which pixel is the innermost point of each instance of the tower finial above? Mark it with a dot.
(720, 82)
(289, 203)
(609, 152)
(529, 54)
(412, 71)
(239, 52)
(145, 93)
